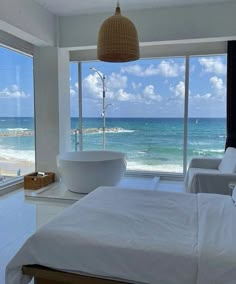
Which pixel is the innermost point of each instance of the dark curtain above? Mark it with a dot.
(231, 95)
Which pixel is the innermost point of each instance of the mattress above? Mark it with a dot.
(139, 236)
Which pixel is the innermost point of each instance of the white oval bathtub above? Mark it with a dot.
(82, 172)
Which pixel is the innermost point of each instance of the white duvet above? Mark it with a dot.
(140, 236)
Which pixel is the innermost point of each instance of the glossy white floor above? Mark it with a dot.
(20, 217)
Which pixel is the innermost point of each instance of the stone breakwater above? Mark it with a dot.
(85, 131)
(16, 133)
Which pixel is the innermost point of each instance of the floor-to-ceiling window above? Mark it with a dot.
(142, 106)
(207, 106)
(17, 143)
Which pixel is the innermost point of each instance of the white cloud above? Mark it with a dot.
(116, 81)
(136, 86)
(93, 86)
(218, 86)
(133, 69)
(165, 69)
(178, 90)
(122, 95)
(213, 65)
(216, 97)
(74, 89)
(12, 92)
(114, 84)
(206, 105)
(202, 97)
(149, 94)
(72, 92)
(170, 69)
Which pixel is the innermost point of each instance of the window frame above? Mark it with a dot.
(204, 49)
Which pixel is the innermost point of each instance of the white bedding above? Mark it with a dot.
(141, 236)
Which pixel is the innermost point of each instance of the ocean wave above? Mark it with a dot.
(216, 151)
(202, 143)
(206, 151)
(158, 168)
(20, 155)
(17, 129)
(107, 130)
(125, 130)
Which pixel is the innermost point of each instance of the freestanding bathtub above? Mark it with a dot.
(82, 172)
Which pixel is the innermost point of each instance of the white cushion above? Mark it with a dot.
(228, 162)
(234, 195)
(193, 171)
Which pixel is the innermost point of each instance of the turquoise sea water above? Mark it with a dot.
(154, 144)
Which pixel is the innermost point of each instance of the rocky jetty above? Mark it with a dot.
(18, 133)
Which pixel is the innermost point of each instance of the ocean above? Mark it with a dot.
(152, 144)
(156, 144)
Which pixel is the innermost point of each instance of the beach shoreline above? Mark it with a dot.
(15, 168)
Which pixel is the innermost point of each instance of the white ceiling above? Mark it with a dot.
(75, 7)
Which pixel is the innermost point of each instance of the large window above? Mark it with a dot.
(143, 107)
(17, 146)
(207, 106)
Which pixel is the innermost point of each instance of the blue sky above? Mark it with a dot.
(153, 88)
(143, 88)
(16, 84)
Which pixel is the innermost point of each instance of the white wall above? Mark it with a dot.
(64, 99)
(28, 21)
(203, 23)
(52, 105)
(161, 50)
(215, 22)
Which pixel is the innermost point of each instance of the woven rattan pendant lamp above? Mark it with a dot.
(117, 39)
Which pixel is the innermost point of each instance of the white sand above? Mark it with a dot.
(11, 167)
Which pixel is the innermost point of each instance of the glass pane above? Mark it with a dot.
(74, 107)
(17, 143)
(207, 106)
(143, 107)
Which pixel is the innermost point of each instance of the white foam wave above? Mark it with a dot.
(17, 129)
(205, 151)
(93, 131)
(216, 151)
(20, 155)
(155, 168)
(125, 130)
(199, 143)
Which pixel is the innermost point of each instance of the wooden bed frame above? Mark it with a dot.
(44, 275)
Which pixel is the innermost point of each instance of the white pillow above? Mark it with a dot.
(228, 162)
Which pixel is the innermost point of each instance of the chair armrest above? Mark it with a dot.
(205, 163)
(212, 183)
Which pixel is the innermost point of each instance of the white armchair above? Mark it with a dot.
(211, 175)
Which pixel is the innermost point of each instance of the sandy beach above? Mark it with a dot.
(14, 167)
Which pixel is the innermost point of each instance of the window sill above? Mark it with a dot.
(11, 185)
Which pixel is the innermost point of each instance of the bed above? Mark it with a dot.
(116, 235)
